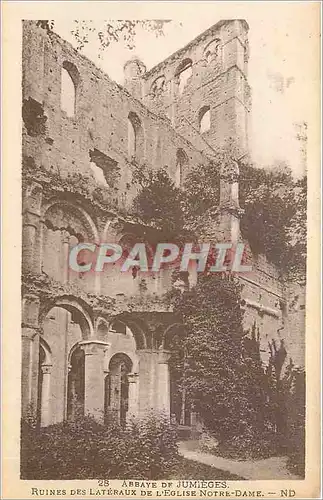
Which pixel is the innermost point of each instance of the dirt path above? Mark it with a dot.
(269, 468)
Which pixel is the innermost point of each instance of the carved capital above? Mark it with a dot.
(93, 347)
(46, 369)
(28, 333)
(31, 219)
(31, 298)
(133, 378)
(163, 357)
(33, 198)
(65, 237)
(30, 310)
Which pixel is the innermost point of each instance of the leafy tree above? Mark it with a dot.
(274, 204)
(201, 191)
(223, 379)
(216, 366)
(270, 201)
(294, 391)
(295, 257)
(159, 202)
(109, 32)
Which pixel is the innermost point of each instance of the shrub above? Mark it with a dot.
(295, 389)
(221, 379)
(250, 445)
(87, 449)
(158, 202)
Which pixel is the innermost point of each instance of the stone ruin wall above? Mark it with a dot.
(169, 123)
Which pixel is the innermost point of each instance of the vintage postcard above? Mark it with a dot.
(161, 250)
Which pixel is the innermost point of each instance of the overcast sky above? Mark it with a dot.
(283, 66)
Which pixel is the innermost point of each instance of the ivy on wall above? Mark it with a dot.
(273, 204)
(216, 364)
(159, 202)
(221, 373)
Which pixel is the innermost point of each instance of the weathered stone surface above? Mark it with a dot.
(77, 179)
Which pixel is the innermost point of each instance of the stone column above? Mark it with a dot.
(133, 397)
(147, 384)
(29, 353)
(97, 275)
(172, 117)
(66, 249)
(29, 236)
(163, 382)
(29, 369)
(31, 228)
(45, 396)
(229, 209)
(94, 377)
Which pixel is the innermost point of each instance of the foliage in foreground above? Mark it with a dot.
(223, 379)
(215, 365)
(252, 411)
(294, 389)
(86, 449)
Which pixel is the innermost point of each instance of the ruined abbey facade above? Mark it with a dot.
(100, 343)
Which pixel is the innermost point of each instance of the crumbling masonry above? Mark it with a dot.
(100, 342)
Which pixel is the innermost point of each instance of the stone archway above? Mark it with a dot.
(73, 305)
(64, 224)
(66, 323)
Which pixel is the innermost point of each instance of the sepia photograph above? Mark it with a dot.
(164, 209)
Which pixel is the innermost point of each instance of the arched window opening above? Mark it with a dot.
(211, 51)
(76, 385)
(135, 135)
(181, 163)
(183, 74)
(204, 119)
(69, 83)
(158, 85)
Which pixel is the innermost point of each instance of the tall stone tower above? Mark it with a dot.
(203, 88)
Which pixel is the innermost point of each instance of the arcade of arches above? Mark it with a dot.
(112, 370)
(74, 360)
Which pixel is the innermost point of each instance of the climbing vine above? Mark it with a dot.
(272, 201)
(159, 202)
(217, 365)
(223, 377)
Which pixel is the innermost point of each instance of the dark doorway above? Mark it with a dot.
(117, 389)
(76, 385)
